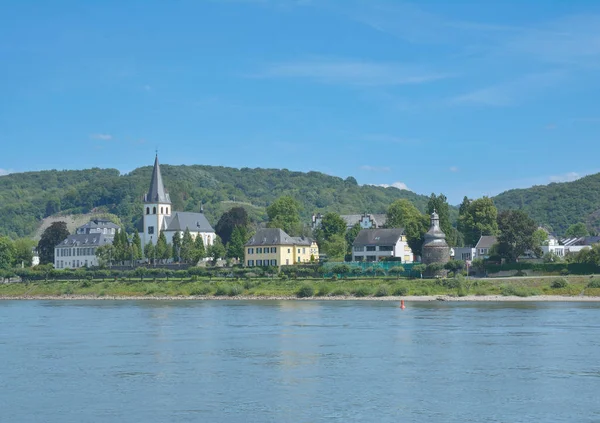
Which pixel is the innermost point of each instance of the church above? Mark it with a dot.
(159, 215)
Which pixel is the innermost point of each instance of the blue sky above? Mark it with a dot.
(460, 97)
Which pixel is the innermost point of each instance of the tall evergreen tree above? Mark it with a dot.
(149, 252)
(162, 248)
(187, 247)
(199, 250)
(176, 247)
(235, 247)
(137, 243)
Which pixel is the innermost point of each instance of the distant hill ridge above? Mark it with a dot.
(27, 198)
(558, 205)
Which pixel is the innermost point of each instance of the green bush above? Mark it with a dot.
(323, 291)
(339, 292)
(594, 283)
(362, 291)
(518, 291)
(564, 272)
(559, 283)
(520, 273)
(222, 290)
(400, 291)
(305, 291)
(382, 291)
(235, 290)
(200, 290)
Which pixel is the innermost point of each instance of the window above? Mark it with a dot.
(273, 262)
(361, 248)
(304, 251)
(167, 210)
(371, 258)
(273, 249)
(298, 250)
(250, 263)
(150, 230)
(153, 210)
(386, 248)
(147, 210)
(162, 210)
(371, 248)
(259, 251)
(250, 250)
(289, 250)
(259, 262)
(287, 261)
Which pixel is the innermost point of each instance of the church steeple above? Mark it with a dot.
(156, 192)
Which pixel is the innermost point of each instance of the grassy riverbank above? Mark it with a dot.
(304, 288)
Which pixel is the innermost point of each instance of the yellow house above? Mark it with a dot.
(273, 247)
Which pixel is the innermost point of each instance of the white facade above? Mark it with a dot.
(72, 257)
(554, 248)
(465, 253)
(155, 215)
(374, 253)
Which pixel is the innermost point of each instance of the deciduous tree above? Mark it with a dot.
(477, 218)
(51, 237)
(7, 253)
(516, 234)
(229, 220)
(577, 230)
(284, 213)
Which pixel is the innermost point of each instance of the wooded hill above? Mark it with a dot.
(26, 198)
(558, 205)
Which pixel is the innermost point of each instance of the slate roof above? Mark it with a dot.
(353, 219)
(195, 222)
(99, 223)
(486, 241)
(378, 236)
(156, 192)
(91, 240)
(276, 236)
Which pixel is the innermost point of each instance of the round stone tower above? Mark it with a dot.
(435, 248)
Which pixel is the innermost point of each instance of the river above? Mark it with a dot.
(298, 361)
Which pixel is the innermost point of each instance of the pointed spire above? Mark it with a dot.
(156, 192)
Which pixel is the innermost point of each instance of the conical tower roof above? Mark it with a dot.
(156, 192)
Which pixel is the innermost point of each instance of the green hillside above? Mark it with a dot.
(26, 198)
(558, 205)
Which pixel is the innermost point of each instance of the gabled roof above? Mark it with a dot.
(378, 236)
(486, 241)
(99, 223)
(195, 222)
(353, 219)
(276, 236)
(156, 192)
(86, 240)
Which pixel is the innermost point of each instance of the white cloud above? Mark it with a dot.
(352, 72)
(399, 185)
(567, 177)
(101, 137)
(375, 168)
(511, 92)
(4, 172)
(454, 169)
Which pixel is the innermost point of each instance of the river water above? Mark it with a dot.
(298, 361)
